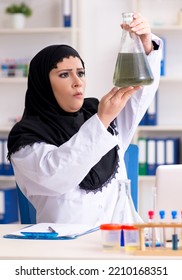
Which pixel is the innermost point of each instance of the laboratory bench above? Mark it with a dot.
(87, 247)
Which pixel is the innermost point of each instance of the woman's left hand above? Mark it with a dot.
(141, 27)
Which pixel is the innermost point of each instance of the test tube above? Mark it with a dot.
(174, 235)
(151, 230)
(162, 231)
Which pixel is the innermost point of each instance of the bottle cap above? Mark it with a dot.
(151, 214)
(162, 214)
(174, 214)
(129, 227)
(111, 227)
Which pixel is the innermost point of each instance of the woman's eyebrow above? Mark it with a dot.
(63, 70)
(69, 69)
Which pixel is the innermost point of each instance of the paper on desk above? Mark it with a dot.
(63, 230)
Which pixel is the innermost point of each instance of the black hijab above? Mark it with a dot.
(44, 121)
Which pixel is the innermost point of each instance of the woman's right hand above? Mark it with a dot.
(112, 103)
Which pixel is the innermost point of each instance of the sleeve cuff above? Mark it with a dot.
(155, 45)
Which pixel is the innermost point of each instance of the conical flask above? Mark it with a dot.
(132, 67)
(125, 212)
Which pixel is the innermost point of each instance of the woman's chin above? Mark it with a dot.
(77, 106)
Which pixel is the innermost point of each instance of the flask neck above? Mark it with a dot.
(130, 41)
(127, 18)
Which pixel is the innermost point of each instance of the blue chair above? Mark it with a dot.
(28, 212)
(131, 161)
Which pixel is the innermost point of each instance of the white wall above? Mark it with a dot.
(101, 35)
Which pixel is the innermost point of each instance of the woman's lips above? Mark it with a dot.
(78, 94)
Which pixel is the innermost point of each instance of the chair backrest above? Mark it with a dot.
(28, 212)
(131, 161)
(26, 209)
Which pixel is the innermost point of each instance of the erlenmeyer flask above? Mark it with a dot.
(125, 212)
(132, 67)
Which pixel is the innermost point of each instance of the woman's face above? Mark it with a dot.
(68, 84)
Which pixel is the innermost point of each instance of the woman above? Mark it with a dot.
(67, 152)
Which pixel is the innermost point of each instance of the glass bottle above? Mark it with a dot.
(125, 212)
(132, 67)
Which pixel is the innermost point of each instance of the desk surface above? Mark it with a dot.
(88, 247)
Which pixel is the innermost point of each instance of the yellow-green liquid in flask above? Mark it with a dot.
(132, 69)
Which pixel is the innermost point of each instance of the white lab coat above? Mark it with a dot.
(49, 175)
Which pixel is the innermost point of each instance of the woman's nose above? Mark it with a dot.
(77, 82)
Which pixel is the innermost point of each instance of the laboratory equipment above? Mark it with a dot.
(151, 242)
(124, 211)
(174, 235)
(132, 67)
(111, 236)
(162, 230)
(131, 238)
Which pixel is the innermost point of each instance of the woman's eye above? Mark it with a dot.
(63, 75)
(81, 73)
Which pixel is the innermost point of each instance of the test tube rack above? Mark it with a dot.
(158, 251)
